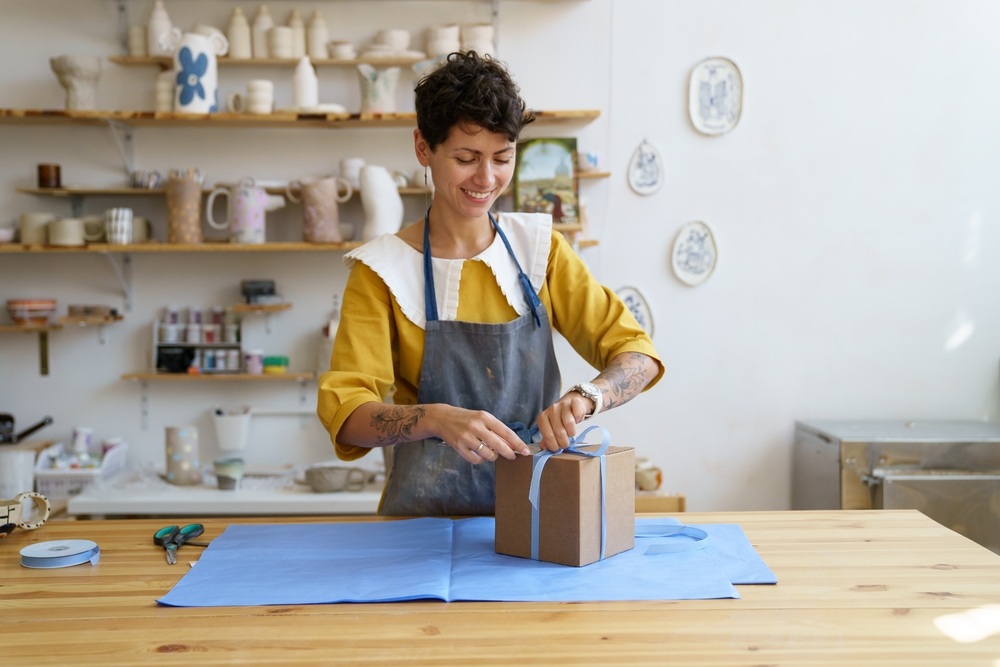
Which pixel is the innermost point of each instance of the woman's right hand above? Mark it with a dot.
(476, 435)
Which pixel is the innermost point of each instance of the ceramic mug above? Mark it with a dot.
(13, 515)
(66, 232)
(340, 50)
(35, 228)
(350, 168)
(330, 479)
(142, 229)
(260, 97)
(118, 225)
(93, 228)
(228, 472)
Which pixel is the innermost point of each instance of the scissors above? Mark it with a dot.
(171, 537)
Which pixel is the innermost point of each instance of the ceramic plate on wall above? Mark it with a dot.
(715, 98)
(694, 253)
(645, 169)
(636, 303)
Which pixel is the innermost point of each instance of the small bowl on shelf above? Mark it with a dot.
(7, 234)
(31, 311)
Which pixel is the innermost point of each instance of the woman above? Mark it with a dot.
(452, 317)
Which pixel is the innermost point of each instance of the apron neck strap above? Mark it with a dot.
(430, 295)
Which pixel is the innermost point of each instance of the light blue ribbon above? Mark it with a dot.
(538, 462)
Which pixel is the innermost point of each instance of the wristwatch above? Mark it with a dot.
(590, 390)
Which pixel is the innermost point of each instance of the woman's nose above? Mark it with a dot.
(485, 174)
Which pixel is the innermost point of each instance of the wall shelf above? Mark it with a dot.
(207, 247)
(146, 376)
(277, 119)
(166, 62)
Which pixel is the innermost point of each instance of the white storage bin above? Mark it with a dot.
(60, 484)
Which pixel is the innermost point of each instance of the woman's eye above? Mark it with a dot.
(464, 160)
(503, 161)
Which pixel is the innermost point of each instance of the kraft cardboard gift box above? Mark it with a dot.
(569, 509)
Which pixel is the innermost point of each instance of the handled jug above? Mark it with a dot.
(248, 205)
(196, 85)
(319, 197)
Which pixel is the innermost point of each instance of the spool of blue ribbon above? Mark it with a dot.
(538, 464)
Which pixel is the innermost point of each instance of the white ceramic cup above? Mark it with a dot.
(118, 225)
(35, 228)
(279, 41)
(165, 84)
(260, 96)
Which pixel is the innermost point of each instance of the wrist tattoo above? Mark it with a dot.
(395, 424)
(628, 375)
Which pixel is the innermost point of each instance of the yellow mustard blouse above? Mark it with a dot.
(378, 350)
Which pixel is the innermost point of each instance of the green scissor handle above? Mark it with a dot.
(171, 537)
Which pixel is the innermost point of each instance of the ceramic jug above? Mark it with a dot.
(381, 202)
(378, 89)
(183, 189)
(196, 68)
(248, 205)
(319, 197)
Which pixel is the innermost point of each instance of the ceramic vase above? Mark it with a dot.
(320, 214)
(262, 23)
(184, 207)
(378, 89)
(298, 34)
(317, 36)
(197, 69)
(381, 201)
(305, 85)
(238, 34)
(158, 28)
(78, 75)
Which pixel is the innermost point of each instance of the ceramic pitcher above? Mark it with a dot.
(378, 89)
(319, 197)
(381, 201)
(196, 86)
(248, 205)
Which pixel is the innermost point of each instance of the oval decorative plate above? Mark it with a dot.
(636, 303)
(694, 253)
(645, 169)
(715, 97)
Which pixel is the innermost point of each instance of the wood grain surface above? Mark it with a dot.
(855, 588)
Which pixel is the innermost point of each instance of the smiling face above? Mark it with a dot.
(470, 169)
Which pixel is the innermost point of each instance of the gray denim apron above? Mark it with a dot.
(508, 369)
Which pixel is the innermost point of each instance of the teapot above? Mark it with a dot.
(248, 205)
(321, 219)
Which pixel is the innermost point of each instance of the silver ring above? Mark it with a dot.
(481, 445)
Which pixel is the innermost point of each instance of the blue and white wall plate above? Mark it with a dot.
(636, 303)
(694, 253)
(715, 97)
(645, 169)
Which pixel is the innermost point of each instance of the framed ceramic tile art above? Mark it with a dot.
(715, 96)
(545, 179)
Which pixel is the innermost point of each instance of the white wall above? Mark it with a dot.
(855, 207)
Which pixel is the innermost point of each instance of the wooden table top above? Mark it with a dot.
(854, 587)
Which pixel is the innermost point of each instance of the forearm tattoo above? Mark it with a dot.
(395, 423)
(628, 373)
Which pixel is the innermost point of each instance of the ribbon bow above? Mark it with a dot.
(538, 463)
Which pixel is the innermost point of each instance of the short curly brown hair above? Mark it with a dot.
(469, 88)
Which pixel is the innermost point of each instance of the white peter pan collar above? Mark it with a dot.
(401, 267)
